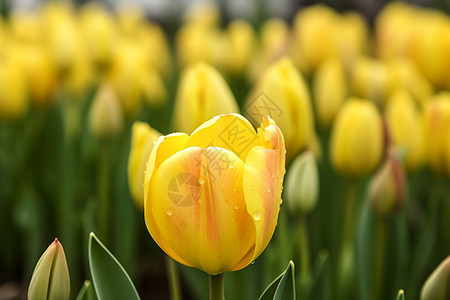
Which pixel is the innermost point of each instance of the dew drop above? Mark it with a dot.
(268, 189)
(146, 163)
(142, 185)
(281, 201)
(273, 175)
(252, 187)
(252, 263)
(236, 207)
(234, 189)
(144, 171)
(154, 142)
(231, 165)
(201, 180)
(169, 212)
(200, 201)
(257, 215)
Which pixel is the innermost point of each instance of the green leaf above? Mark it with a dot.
(400, 295)
(111, 281)
(86, 292)
(283, 287)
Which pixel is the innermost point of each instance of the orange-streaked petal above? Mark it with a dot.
(230, 131)
(196, 210)
(165, 147)
(263, 182)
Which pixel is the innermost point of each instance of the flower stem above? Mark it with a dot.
(103, 187)
(304, 248)
(174, 280)
(216, 290)
(380, 243)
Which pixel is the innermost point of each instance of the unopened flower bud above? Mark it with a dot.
(50, 278)
(387, 187)
(302, 183)
(437, 286)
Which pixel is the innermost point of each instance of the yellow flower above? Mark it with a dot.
(26, 27)
(282, 93)
(405, 123)
(437, 128)
(13, 90)
(143, 137)
(202, 94)
(352, 37)
(330, 90)
(240, 40)
(50, 278)
(357, 138)
(212, 198)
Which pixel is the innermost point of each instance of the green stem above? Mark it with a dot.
(380, 245)
(174, 280)
(304, 248)
(216, 290)
(103, 182)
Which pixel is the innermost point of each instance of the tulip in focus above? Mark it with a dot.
(437, 129)
(302, 183)
(202, 94)
(50, 278)
(357, 138)
(143, 138)
(105, 115)
(387, 187)
(330, 90)
(282, 94)
(405, 123)
(437, 286)
(211, 199)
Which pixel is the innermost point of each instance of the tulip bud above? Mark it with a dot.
(13, 93)
(240, 40)
(105, 115)
(143, 138)
(302, 184)
(405, 124)
(50, 278)
(437, 286)
(202, 94)
(282, 94)
(437, 128)
(387, 187)
(330, 90)
(352, 37)
(357, 138)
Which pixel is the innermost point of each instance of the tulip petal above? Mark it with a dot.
(163, 149)
(196, 210)
(263, 182)
(231, 131)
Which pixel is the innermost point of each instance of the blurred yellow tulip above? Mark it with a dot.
(239, 42)
(143, 138)
(437, 129)
(50, 278)
(203, 13)
(130, 19)
(105, 114)
(330, 90)
(13, 90)
(212, 198)
(202, 94)
(357, 138)
(100, 32)
(405, 123)
(282, 94)
(351, 37)
(26, 27)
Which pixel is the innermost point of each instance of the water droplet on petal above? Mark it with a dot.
(169, 212)
(273, 175)
(281, 201)
(234, 189)
(268, 190)
(257, 215)
(236, 207)
(142, 185)
(252, 187)
(231, 165)
(253, 262)
(201, 180)
(146, 163)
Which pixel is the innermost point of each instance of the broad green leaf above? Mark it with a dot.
(283, 287)
(400, 295)
(110, 279)
(86, 292)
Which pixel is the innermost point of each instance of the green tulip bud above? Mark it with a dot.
(302, 183)
(50, 280)
(437, 286)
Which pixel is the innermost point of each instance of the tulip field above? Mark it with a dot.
(209, 157)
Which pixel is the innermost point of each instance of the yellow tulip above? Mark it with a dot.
(330, 90)
(143, 138)
(357, 138)
(50, 278)
(437, 129)
(405, 123)
(205, 14)
(13, 90)
(26, 27)
(130, 19)
(240, 40)
(351, 37)
(281, 93)
(211, 199)
(105, 115)
(202, 94)
(100, 33)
